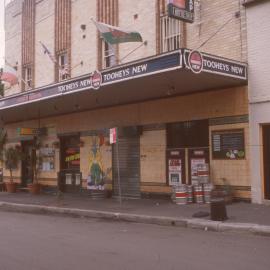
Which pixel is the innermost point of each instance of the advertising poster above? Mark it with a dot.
(175, 171)
(196, 163)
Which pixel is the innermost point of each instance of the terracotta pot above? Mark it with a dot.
(11, 187)
(34, 188)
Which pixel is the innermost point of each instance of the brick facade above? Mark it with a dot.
(142, 16)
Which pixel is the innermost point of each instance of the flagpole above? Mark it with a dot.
(143, 44)
(111, 48)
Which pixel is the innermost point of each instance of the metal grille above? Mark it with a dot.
(170, 34)
(129, 161)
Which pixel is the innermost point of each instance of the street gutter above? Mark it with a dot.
(193, 223)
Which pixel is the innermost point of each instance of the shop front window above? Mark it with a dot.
(70, 153)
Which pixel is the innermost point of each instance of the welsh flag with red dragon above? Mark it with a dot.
(115, 35)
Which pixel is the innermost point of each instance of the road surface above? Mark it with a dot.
(36, 242)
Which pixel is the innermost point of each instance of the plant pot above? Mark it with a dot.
(11, 187)
(34, 188)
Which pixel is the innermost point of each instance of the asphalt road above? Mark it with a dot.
(34, 242)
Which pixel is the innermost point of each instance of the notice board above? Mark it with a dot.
(228, 144)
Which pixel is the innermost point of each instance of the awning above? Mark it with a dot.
(155, 77)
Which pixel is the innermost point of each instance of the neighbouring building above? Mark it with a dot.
(177, 110)
(258, 28)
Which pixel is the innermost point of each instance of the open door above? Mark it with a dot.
(27, 162)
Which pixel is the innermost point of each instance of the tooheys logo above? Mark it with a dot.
(195, 61)
(96, 78)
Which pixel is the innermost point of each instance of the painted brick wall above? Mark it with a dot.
(236, 172)
(258, 24)
(153, 154)
(13, 25)
(145, 24)
(210, 15)
(83, 49)
(220, 103)
(44, 67)
(138, 15)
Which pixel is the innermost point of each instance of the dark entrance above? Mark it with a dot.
(129, 161)
(70, 176)
(28, 162)
(266, 161)
(191, 139)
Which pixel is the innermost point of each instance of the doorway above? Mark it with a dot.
(266, 161)
(28, 162)
(70, 176)
(187, 151)
(128, 157)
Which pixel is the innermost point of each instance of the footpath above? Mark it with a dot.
(242, 217)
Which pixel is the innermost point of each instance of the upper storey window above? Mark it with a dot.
(169, 30)
(62, 39)
(63, 66)
(170, 33)
(107, 13)
(28, 43)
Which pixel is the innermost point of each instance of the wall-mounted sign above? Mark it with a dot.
(96, 79)
(217, 65)
(195, 60)
(175, 171)
(32, 131)
(176, 60)
(228, 144)
(181, 9)
(113, 135)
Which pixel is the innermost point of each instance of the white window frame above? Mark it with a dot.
(28, 78)
(63, 67)
(108, 55)
(170, 33)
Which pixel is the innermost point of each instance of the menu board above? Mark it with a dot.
(228, 144)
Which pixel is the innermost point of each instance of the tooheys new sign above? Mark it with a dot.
(199, 62)
(181, 9)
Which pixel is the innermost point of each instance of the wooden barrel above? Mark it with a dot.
(190, 194)
(198, 193)
(181, 194)
(207, 188)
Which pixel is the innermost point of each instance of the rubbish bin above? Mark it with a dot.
(218, 209)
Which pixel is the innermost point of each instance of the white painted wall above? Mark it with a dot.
(258, 35)
(83, 49)
(145, 24)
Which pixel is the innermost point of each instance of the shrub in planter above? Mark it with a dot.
(12, 156)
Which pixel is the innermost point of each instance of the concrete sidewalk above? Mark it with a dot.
(243, 217)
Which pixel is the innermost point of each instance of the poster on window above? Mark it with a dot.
(175, 171)
(199, 171)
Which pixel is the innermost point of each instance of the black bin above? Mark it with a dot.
(218, 210)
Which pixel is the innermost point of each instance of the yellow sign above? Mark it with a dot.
(73, 157)
(31, 131)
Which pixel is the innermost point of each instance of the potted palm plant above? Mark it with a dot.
(12, 156)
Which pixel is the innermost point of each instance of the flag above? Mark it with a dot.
(9, 74)
(46, 51)
(115, 35)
